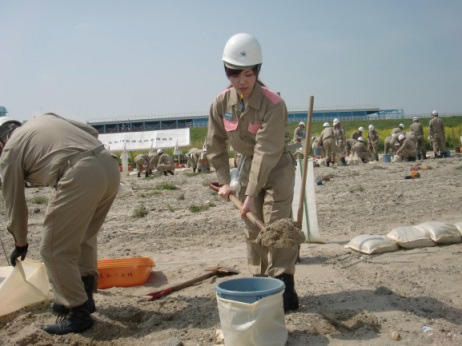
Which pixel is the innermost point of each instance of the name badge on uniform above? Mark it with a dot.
(229, 123)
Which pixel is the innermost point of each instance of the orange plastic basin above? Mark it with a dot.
(124, 272)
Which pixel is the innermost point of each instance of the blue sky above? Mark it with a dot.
(92, 60)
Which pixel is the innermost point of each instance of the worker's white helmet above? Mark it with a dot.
(242, 50)
(401, 126)
(325, 124)
(336, 121)
(435, 113)
(313, 138)
(361, 129)
(301, 123)
(401, 137)
(415, 119)
(159, 151)
(7, 125)
(371, 127)
(361, 139)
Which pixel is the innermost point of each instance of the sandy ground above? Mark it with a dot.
(346, 298)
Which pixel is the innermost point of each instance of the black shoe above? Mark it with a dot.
(77, 321)
(343, 161)
(290, 297)
(89, 283)
(139, 174)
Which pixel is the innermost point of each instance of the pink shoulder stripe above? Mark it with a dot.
(224, 91)
(271, 95)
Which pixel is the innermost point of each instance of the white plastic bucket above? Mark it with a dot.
(251, 311)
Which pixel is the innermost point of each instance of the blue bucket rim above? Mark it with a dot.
(279, 288)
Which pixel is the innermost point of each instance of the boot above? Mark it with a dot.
(343, 161)
(289, 297)
(89, 283)
(77, 321)
(327, 163)
(139, 174)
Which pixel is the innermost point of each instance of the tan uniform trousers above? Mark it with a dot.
(439, 143)
(76, 212)
(421, 147)
(274, 202)
(329, 148)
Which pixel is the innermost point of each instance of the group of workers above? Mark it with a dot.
(407, 146)
(161, 161)
(66, 155)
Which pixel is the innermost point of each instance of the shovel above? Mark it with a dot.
(237, 203)
(216, 271)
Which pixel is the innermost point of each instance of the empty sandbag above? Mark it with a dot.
(410, 237)
(458, 225)
(372, 244)
(441, 232)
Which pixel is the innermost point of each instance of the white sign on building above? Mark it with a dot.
(145, 140)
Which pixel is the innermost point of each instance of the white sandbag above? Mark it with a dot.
(372, 244)
(441, 232)
(458, 225)
(410, 237)
(259, 323)
(23, 285)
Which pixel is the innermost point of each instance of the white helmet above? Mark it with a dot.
(361, 139)
(325, 125)
(7, 125)
(361, 129)
(336, 121)
(301, 123)
(415, 119)
(371, 127)
(242, 50)
(401, 137)
(401, 126)
(435, 113)
(313, 138)
(159, 151)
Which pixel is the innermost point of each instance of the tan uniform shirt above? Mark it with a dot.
(165, 163)
(327, 133)
(436, 127)
(340, 137)
(38, 152)
(396, 131)
(408, 148)
(299, 134)
(417, 129)
(360, 149)
(258, 132)
(373, 137)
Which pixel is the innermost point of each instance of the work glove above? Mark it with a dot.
(19, 251)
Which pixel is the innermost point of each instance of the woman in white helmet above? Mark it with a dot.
(299, 133)
(340, 141)
(373, 142)
(253, 119)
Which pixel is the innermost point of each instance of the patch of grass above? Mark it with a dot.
(39, 200)
(139, 212)
(357, 188)
(165, 186)
(181, 197)
(150, 193)
(170, 208)
(197, 208)
(191, 174)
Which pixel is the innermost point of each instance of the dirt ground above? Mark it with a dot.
(346, 298)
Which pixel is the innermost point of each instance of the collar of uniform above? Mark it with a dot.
(233, 98)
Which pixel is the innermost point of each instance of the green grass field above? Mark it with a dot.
(453, 129)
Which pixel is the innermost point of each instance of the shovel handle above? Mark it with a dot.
(238, 204)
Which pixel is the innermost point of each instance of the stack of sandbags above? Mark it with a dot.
(410, 237)
(441, 232)
(372, 244)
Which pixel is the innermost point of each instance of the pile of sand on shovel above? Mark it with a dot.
(283, 233)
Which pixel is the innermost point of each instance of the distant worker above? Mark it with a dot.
(349, 143)
(327, 140)
(437, 135)
(360, 150)
(142, 161)
(49, 150)
(417, 129)
(317, 148)
(373, 142)
(408, 148)
(358, 133)
(397, 130)
(391, 144)
(299, 133)
(193, 156)
(165, 163)
(203, 163)
(153, 159)
(340, 140)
